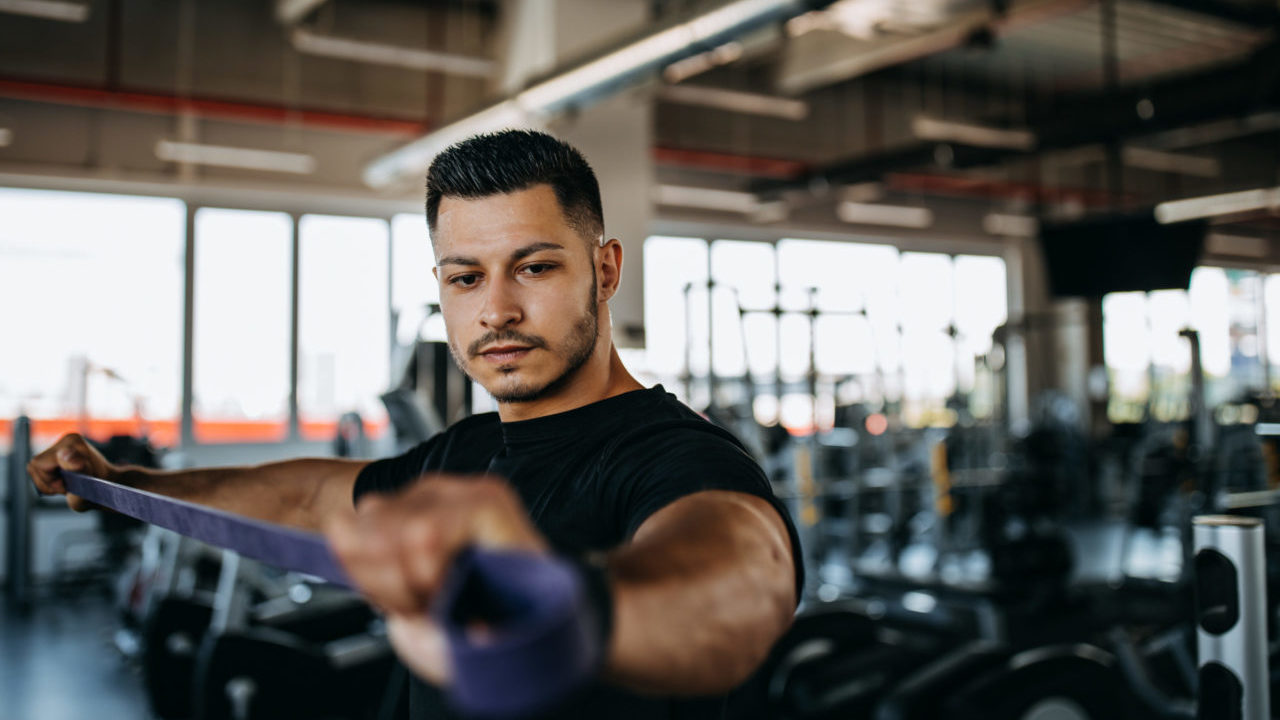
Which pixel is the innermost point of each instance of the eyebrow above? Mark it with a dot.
(518, 254)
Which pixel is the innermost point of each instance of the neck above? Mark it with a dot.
(603, 376)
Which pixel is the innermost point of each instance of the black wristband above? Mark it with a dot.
(597, 591)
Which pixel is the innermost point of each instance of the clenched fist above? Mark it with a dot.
(398, 550)
(71, 452)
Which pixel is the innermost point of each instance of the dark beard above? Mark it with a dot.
(581, 343)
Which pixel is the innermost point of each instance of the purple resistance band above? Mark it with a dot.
(539, 641)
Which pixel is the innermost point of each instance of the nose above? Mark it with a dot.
(501, 305)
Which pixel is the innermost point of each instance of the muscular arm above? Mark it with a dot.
(302, 493)
(700, 595)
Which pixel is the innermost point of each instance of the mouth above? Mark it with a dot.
(503, 354)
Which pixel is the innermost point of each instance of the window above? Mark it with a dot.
(675, 301)
(243, 309)
(1149, 362)
(344, 334)
(413, 287)
(890, 326)
(93, 290)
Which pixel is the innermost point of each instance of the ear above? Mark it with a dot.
(608, 258)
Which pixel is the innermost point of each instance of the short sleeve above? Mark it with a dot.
(651, 470)
(391, 474)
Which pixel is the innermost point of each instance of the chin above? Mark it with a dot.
(518, 392)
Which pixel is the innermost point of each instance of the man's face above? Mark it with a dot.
(518, 292)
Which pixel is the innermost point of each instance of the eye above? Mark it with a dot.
(464, 280)
(537, 268)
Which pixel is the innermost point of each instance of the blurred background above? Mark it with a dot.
(989, 287)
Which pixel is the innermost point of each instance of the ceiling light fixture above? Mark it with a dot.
(1007, 225)
(891, 215)
(1170, 162)
(235, 157)
(305, 41)
(1211, 206)
(747, 103)
(732, 201)
(705, 198)
(291, 12)
(47, 9)
(939, 130)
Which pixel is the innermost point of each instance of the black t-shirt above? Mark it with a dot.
(589, 478)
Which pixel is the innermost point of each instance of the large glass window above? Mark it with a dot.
(864, 322)
(92, 288)
(675, 301)
(744, 275)
(242, 325)
(413, 288)
(344, 333)
(1148, 361)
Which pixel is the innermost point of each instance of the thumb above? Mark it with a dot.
(69, 459)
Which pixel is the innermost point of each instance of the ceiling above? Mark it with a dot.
(1104, 104)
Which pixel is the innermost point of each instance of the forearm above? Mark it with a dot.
(300, 493)
(697, 616)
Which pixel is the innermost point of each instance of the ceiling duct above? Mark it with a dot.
(592, 80)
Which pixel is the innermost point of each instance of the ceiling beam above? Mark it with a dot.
(1251, 14)
(1236, 90)
(825, 57)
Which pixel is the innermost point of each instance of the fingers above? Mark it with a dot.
(68, 453)
(79, 504)
(366, 553)
(398, 550)
(421, 646)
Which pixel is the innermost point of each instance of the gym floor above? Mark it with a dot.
(58, 663)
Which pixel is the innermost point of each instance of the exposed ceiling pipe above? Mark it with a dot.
(211, 108)
(593, 80)
(765, 167)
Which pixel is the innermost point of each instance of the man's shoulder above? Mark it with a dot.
(665, 422)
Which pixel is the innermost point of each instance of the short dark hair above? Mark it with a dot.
(513, 160)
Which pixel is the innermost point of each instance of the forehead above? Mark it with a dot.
(495, 221)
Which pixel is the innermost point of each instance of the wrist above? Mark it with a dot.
(598, 601)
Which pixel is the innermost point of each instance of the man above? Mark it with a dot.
(701, 563)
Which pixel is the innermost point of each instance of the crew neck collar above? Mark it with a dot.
(579, 419)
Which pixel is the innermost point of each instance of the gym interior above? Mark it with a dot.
(989, 288)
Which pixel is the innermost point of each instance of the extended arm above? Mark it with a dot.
(303, 493)
(700, 594)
